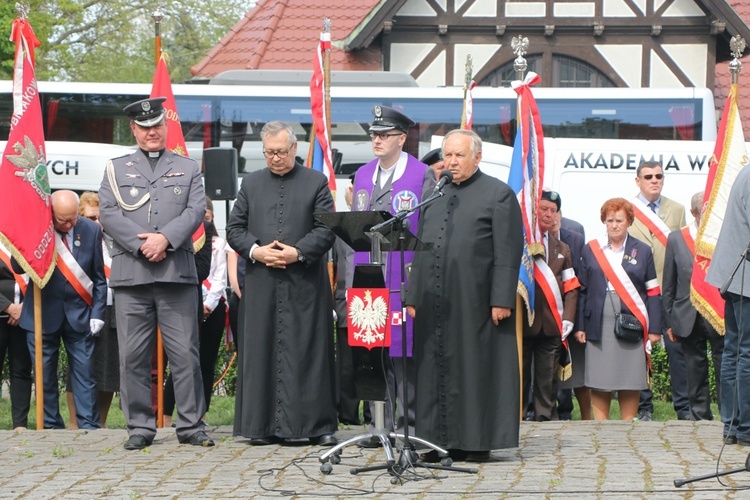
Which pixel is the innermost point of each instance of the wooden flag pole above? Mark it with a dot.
(157, 16)
(520, 46)
(38, 359)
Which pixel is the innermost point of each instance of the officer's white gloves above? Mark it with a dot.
(567, 327)
(96, 326)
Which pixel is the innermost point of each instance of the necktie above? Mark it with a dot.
(64, 237)
(652, 206)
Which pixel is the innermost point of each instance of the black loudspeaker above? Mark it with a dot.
(220, 173)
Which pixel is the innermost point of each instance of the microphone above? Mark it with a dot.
(446, 177)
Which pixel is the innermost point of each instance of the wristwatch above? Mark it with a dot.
(300, 256)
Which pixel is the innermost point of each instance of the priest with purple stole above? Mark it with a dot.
(393, 181)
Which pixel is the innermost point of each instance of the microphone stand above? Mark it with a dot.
(678, 483)
(408, 456)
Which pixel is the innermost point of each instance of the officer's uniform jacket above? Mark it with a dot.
(169, 199)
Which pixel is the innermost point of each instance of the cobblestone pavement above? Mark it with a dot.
(606, 460)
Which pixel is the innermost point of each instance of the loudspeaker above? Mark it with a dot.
(220, 174)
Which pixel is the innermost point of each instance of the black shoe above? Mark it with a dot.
(645, 416)
(263, 441)
(324, 440)
(137, 442)
(431, 457)
(729, 439)
(478, 456)
(743, 442)
(370, 442)
(199, 438)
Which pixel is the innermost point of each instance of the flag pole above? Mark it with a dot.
(520, 46)
(327, 77)
(469, 67)
(23, 13)
(157, 16)
(38, 360)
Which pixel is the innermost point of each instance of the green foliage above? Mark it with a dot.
(661, 382)
(113, 40)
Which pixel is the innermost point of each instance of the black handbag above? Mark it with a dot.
(627, 326)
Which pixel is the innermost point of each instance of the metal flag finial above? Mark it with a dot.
(469, 71)
(326, 25)
(23, 9)
(158, 14)
(520, 46)
(737, 47)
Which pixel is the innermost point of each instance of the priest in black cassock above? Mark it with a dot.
(286, 372)
(462, 296)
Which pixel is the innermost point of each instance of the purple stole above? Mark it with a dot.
(406, 192)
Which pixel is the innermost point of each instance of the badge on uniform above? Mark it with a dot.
(177, 190)
(404, 200)
(129, 164)
(134, 191)
(362, 200)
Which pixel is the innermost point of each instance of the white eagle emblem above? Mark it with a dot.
(370, 317)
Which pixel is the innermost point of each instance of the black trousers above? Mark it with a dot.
(13, 343)
(542, 353)
(695, 347)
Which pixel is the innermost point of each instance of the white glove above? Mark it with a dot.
(567, 328)
(648, 347)
(335, 316)
(96, 326)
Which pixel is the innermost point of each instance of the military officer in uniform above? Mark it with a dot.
(151, 203)
(393, 181)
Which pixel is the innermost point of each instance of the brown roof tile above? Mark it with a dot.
(281, 34)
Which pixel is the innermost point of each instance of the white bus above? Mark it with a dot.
(84, 123)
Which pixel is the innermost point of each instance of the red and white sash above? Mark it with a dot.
(623, 286)
(73, 272)
(107, 260)
(689, 240)
(651, 220)
(20, 278)
(546, 280)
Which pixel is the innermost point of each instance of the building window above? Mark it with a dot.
(566, 72)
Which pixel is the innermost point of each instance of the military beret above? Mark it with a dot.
(387, 118)
(553, 197)
(146, 112)
(433, 157)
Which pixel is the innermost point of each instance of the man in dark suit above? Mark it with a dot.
(73, 305)
(542, 340)
(682, 321)
(151, 203)
(669, 216)
(572, 234)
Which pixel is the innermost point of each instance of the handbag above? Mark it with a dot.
(627, 326)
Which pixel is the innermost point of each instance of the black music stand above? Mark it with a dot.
(355, 229)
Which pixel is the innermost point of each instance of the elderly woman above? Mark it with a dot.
(620, 278)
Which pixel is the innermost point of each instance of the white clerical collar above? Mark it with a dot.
(400, 168)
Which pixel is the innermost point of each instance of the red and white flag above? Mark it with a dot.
(162, 87)
(729, 157)
(26, 215)
(321, 155)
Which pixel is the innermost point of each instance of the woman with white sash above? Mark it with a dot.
(618, 277)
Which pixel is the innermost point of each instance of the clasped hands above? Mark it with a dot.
(155, 246)
(276, 254)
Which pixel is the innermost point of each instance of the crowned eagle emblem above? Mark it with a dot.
(369, 316)
(33, 167)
